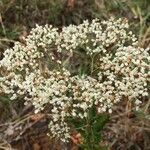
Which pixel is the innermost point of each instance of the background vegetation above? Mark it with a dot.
(127, 130)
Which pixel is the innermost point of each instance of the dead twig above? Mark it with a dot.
(3, 27)
(7, 40)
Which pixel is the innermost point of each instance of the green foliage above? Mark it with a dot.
(90, 129)
(5, 100)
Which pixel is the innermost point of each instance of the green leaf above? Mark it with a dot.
(92, 113)
(99, 122)
(76, 122)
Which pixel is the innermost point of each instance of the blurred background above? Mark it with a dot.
(17, 17)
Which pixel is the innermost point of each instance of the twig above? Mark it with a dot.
(16, 122)
(3, 147)
(7, 40)
(3, 27)
(121, 115)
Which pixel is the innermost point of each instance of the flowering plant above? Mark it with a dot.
(76, 71)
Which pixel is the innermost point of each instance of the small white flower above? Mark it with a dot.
(36, 70)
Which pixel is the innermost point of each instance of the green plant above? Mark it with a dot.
(90, 129)
(37, 71)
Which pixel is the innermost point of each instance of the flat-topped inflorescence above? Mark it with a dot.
(36, 71)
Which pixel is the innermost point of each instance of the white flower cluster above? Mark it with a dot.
(35, 70)
(96, 37)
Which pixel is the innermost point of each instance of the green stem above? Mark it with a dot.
(89, 135)
(92, 64)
